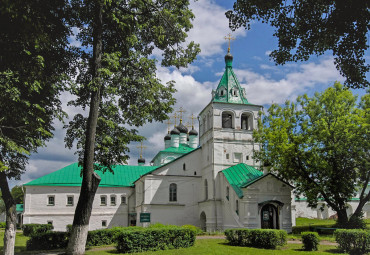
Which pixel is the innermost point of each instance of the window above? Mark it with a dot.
(237, 207)
(103, 200)
(227, 193)
(227, 120)
(237, 157)
(50, 222)
(103, 223)
(51, 200)
(206, 189)
(70, 200)
(195, 172)
(234, 92)
(173, 192)
(123, 200)
(184, 167)
(246, 121)
(112, 200)
(227, 156)
(246, 157)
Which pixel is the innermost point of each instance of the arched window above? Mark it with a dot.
(227, 120)
(173, 192)
(206, 189)
(246, 121)
(227, 193)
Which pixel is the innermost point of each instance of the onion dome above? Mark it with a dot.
(182, 128)
(175, 131)
(167, 137)
(229, 59)
(141, 161)
(193, 132)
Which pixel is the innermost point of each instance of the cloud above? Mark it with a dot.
(302, 79)
(210, 27)
(72, 39)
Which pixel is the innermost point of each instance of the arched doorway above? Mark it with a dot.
(203, 220)
(269, 217)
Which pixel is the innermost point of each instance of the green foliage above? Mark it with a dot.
(34, 229)
(355, 222)
(47, 241)
(17, 194)
(321, 144)
(310, 241)
(258, 238)
(2, 224)
(102, 236)
(197, 230)
(354, 242)
(151, 239)
(306, 28)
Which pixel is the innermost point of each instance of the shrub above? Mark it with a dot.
(353, 241)
(47, 241)
(258, 238)
(69, 228)
(32, 229)
(310, 241)
(2, 224)
(197, 230)
(152, 239)
(354, 222)
(103, 236)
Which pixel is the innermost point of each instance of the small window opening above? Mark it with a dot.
(195, 172)
(70, 200)
(50, 222)
(173, 192)
(113, 200)
(227, 120)
(103, 200)
(206, 189)
(123, 200)
(103, 223)
(184, 167)
(246, 157)
(51, 200)
(237, 207)
(227, 193)
(227, 155)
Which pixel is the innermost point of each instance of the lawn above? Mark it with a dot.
(20, 242)
(220, 247)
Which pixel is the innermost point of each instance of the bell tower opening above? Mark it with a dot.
(227, 120)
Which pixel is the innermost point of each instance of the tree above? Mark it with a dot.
(117, 83)
(321, 145)
(17, 194)
(34, 60)
(306, 28)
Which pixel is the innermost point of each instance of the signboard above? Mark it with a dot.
(144, 217)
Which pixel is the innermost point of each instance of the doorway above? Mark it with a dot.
(203, 221)
(269, 217)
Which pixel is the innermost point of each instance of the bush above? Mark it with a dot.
(310, 241)
(152, 239)
(354, 222)
(2, 224)
(353, 241)
(258, 238)
(197, 230)
(102, 236)
(32, 229)
(47, 241)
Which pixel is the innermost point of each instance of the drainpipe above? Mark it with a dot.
(213, 163)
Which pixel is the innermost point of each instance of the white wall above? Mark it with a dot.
(37, 210)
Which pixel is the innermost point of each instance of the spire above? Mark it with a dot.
(141, 160)
(229, 89)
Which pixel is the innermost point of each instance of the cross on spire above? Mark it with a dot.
(175, 116)
(181, 111)
(192, 120)
(229, 37)
(168, 125)
(141, 149)
(188, 125)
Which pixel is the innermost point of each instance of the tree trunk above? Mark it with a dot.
(342, 217)
(90, 180)
(11, 216)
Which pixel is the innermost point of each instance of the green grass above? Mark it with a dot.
(313, 222)
(220, 247)
(20, 242)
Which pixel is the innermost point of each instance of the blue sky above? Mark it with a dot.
(265, 82)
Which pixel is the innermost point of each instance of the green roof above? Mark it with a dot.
(229, 85)
(182, 149)
(123, 176)
(240, 176)
(19, 208)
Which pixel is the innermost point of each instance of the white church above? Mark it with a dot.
(209, 179)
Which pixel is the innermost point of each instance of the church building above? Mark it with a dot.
(207, 179)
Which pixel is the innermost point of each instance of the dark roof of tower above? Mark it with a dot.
(141, 160)
(175, 131)
(182, 128)
(193, 132)
(167, 137)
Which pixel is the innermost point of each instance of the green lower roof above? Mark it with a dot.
(240, 176)
(123, 176)
(19, 208)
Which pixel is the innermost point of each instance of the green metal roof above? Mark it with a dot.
(19, 208)
(240, 176)
(123, 176)
(229, 83)
(182, 149)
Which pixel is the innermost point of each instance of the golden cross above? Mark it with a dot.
(192, 119)
(175, 116)
(229, 37)
(188, 125)
(168, 125)
(181, 111)
(141, 149)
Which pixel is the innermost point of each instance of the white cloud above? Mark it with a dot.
(72, 39)
(210, 27)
